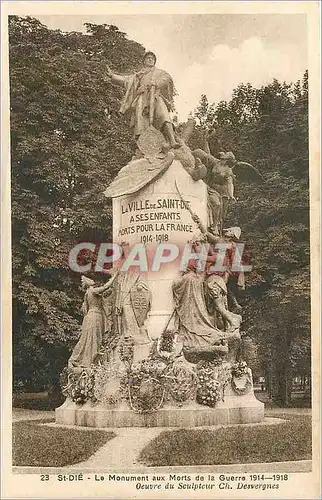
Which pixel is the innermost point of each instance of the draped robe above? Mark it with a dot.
(195, 324)
(137, 99)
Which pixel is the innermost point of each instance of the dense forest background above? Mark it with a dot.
(67, 143)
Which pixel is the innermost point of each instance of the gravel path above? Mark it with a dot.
(123, 450)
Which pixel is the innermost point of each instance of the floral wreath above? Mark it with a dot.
(238, 371)
(79, 387)
(145, 386)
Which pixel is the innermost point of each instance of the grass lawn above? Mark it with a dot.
(42, 446)
(37, 401)
(232, 445)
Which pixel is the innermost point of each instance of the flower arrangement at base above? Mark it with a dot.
(126, 350)
(78, 386)
(107, 383)
(213, 377)
(166, 344)
(241, 378)
(239, 369)
(181, 382)
(146, 386)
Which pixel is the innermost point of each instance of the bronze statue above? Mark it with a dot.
(217, 302)
(235, 281)
(192, 320)
(97, 320)
(148, 98)
(219, 177)
(153, 157)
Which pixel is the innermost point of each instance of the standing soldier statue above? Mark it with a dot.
(148, 99)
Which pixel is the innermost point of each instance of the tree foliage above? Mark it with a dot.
(67, 143)
(268, 127)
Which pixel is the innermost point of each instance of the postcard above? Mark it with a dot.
(160, 266)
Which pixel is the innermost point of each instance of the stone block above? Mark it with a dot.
(169, 416)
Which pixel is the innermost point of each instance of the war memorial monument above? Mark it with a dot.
(161, 346)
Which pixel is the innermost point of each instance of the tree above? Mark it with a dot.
(205, 116)
(205, 112)
(67, 142)
(269, 128)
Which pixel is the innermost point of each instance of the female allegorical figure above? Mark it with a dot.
(97, 321)
(193, 322)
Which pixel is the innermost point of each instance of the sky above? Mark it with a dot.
(211, 53)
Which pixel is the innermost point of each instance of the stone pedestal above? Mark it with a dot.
(235, 410)
(155, 215)
(198, 416)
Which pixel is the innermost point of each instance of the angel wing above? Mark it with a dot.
(136, 175)
(246, 172)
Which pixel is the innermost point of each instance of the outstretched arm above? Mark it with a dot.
(100, 289)
(114, 77)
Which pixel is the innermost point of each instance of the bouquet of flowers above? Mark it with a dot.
(209, 389)
(239, 369)
(79, 387)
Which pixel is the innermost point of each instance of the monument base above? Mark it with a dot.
(237, 411)
(179, 405)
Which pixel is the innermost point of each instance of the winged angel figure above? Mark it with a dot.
(219, 176)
